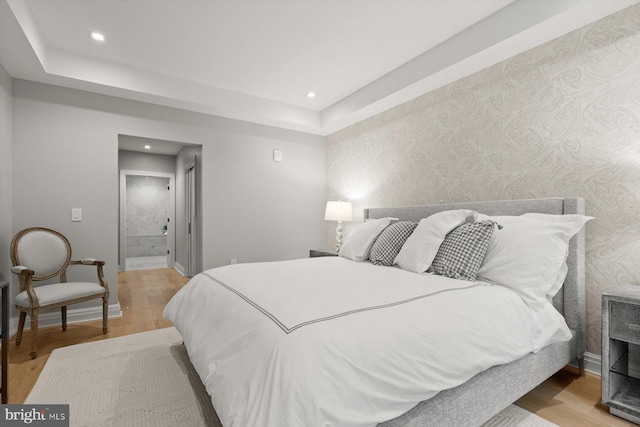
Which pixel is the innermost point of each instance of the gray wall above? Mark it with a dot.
(6, 120)
(66, 155)
(562, 119)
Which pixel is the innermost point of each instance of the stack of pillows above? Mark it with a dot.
(527, 253)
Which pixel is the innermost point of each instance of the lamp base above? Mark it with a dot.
(339, 236)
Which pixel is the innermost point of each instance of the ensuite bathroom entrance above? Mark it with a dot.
(147, 222)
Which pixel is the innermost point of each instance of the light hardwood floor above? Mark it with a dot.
(142, 295)
(565, 399)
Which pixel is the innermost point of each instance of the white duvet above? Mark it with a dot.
(331, 342)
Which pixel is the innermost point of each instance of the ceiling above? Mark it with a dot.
(149, 145)
(256, 60)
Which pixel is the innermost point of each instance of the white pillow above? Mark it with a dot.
(528, 255)
(359, 241)
(564, 269)
(421, 247)
(559, 280)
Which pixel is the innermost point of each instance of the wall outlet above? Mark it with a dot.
(233, 261)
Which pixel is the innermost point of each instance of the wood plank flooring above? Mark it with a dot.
(142, 295)
(565, 399)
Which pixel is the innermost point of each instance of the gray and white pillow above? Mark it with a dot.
(421, 247)
(389, 242)
(461, 253)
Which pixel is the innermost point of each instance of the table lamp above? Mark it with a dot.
(338, 211)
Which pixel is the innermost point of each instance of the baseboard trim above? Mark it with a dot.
(179, 267)
(592, 363)
(78, 315)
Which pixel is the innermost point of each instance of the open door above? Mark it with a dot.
(190, 217)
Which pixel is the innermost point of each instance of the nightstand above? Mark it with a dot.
(322, 252)
(621, 351)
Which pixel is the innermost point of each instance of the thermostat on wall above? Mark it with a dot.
(277, 156)
(76, 214)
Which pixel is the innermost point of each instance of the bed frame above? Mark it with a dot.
(489, 392)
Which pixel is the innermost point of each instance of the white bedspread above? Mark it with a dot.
(331, 342)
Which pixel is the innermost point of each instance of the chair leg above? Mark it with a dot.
(34, 335)
(63, 310)
(23, 317)
(105, 313)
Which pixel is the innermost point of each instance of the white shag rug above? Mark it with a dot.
(146, 379)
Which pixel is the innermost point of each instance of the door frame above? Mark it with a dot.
(191, 216)
(171, 228)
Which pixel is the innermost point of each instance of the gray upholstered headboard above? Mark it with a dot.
(571, 301)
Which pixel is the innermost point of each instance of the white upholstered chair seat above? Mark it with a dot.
(51, 294)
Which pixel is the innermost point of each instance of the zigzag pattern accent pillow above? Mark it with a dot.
(461, 254)
(389, 242)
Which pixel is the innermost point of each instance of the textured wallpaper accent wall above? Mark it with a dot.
(562, 119)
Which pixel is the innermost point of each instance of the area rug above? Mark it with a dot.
(146, 379)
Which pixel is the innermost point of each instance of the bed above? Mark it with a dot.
(255, 379)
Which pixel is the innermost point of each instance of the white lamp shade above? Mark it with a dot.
(338, 211)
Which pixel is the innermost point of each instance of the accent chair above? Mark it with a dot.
(39, 254)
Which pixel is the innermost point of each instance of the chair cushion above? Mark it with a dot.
(58, 292)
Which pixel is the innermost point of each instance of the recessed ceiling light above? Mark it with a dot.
(148, 147)
(311, 94)
(97, 36)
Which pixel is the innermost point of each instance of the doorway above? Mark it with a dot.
(147, 232)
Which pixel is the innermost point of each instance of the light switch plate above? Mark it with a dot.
(76, 214)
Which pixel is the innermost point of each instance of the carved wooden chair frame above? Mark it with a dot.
(27, 277)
